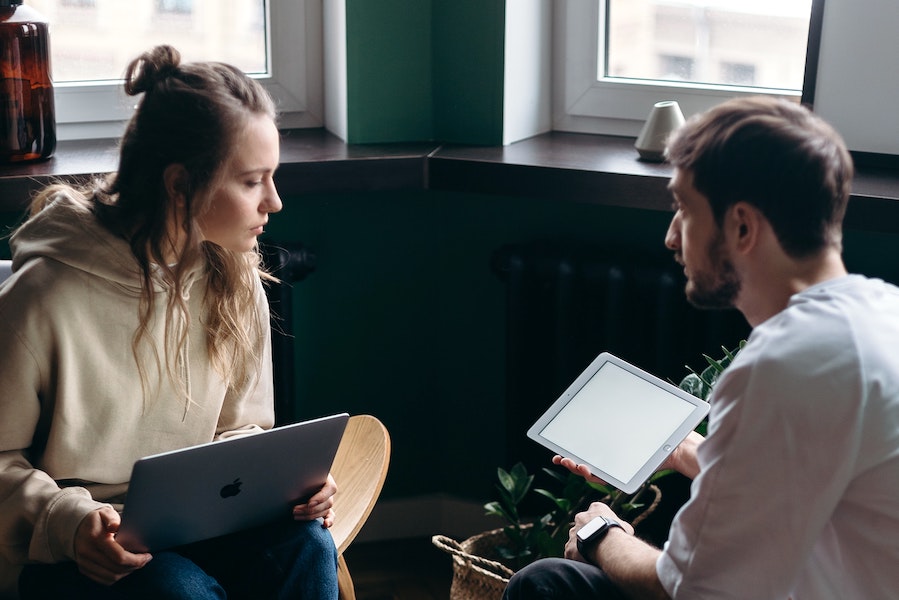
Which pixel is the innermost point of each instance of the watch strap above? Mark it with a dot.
(586, 545)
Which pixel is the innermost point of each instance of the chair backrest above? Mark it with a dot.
(359, 468)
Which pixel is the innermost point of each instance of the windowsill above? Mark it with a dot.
(567, 167)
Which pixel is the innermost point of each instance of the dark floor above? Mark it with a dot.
(409, 569)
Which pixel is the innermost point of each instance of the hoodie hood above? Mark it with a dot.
(67, 231)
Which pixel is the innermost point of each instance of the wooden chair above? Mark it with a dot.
(359, 468)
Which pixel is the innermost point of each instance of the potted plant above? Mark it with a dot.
(483, 564)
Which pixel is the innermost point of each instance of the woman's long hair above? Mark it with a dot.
(190, 115)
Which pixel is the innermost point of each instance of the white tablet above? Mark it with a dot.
(619, 420)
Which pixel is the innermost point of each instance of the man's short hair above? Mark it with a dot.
(777, 156)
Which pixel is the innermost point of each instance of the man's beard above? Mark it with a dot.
(717, 287)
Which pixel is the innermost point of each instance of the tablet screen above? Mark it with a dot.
(618, 420)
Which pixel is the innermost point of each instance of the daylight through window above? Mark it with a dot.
(717, 42)
(94, 40)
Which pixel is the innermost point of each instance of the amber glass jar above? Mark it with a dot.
(27, 113)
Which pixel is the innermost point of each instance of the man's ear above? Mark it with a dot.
(743, 223)
(177, 183)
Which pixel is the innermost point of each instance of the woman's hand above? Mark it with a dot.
(319, 506)
(98, 555)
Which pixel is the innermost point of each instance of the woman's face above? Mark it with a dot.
(240, 204)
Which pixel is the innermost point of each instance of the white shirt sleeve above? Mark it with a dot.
(777, 460)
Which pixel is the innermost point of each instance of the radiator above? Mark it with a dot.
(567, 303)
(290, 263)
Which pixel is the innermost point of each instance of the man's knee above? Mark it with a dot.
(536, 580)
(561, 578)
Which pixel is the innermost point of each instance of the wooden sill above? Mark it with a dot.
(567, 167)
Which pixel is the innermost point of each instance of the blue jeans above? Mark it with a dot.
(289, 559)
(561, 578)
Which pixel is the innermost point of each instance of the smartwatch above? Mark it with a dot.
(592, 533)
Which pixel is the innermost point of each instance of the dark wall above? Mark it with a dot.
(403, 317)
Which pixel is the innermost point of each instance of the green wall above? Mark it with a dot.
(404, 319)
(425, 69)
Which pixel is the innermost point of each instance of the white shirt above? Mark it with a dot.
(798, 492)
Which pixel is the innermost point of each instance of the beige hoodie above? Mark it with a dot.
(73, 416)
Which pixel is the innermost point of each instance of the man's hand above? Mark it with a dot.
(97, 553)
(627, 560)
(596, 509)
(683, 460)
(319, 506)
(577, 469)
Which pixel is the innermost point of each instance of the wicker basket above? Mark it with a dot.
(475, 575)
(478, 575)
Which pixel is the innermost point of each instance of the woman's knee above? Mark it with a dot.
(306, 537)
(170, 576)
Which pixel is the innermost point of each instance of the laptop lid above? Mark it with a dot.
(217, 488)
(619, 420)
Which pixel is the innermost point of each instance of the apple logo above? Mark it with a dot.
(231, 489)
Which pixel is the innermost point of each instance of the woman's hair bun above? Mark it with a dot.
(150, 68)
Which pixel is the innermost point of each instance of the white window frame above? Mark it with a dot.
(101, 110)
(614, 107)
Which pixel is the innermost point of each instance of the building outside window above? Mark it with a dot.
(175, 6)
(622, 56)
(92, 42)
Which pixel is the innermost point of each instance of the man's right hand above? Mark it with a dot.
(97, 553)
(683, 460)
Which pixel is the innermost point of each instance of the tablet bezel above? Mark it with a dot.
(680, 430)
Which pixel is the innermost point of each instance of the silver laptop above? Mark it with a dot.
(221, 487)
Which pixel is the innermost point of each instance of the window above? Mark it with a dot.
(619, 57)
(738, 74)
(676, 68)
(175, 6)
(92, 42)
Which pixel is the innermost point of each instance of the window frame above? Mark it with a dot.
(101, 109)
(581, 103)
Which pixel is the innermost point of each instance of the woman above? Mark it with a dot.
(135, 322)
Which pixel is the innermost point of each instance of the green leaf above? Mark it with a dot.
(602, 488)
(560, 477)
(714, 364)
(659, 474)
(505, 479)
(695, 385)
(497, 509)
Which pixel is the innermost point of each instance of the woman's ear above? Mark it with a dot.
(177, 184)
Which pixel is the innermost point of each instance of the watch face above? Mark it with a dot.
(592, 528)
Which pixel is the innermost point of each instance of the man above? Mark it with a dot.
(796, 489)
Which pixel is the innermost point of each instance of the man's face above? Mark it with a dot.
(699, 245)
